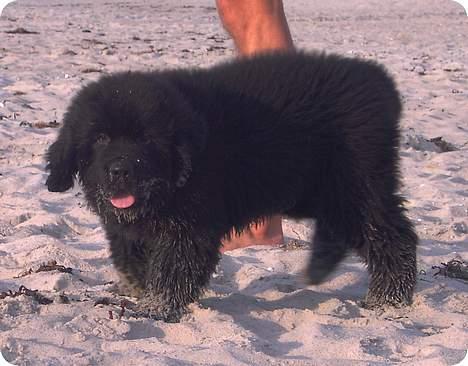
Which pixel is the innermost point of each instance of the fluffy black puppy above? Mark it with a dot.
(173, 160)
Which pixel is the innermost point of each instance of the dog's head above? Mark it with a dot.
(131, 139)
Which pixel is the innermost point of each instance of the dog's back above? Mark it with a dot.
(312, 121)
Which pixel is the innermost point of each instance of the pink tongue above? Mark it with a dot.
(123, 202)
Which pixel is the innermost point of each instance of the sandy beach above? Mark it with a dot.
(54, 259)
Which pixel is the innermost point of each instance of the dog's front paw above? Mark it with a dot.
(150, 307)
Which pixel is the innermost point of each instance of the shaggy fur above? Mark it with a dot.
(203, 151)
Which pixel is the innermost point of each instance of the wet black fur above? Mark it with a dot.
(301, 134)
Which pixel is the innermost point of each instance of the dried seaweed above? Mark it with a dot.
(123, 304)
(294, 245)
(23, 290)
(454, 269)
(46, 267)
(50, 124)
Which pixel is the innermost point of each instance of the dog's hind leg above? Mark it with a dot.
(389, 250)
(371, 220)
(329, 248)
(336, 206)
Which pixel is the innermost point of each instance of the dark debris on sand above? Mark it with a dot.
(40, 124)
(443, 145)
(23, 290)
(454, 269)
(21, 30)
(47, 267)
(122, 304)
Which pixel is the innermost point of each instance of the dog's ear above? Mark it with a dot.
(188, 145)
(61, 162)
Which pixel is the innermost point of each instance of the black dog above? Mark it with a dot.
(173, 160)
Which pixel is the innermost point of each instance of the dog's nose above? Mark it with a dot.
(118, 170)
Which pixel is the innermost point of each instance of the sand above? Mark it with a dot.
(257, 311)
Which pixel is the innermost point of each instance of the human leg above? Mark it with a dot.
(256, 26)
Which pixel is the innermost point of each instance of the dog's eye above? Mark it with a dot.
(102, 139)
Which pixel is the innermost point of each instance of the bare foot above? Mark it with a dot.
(269, 233)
